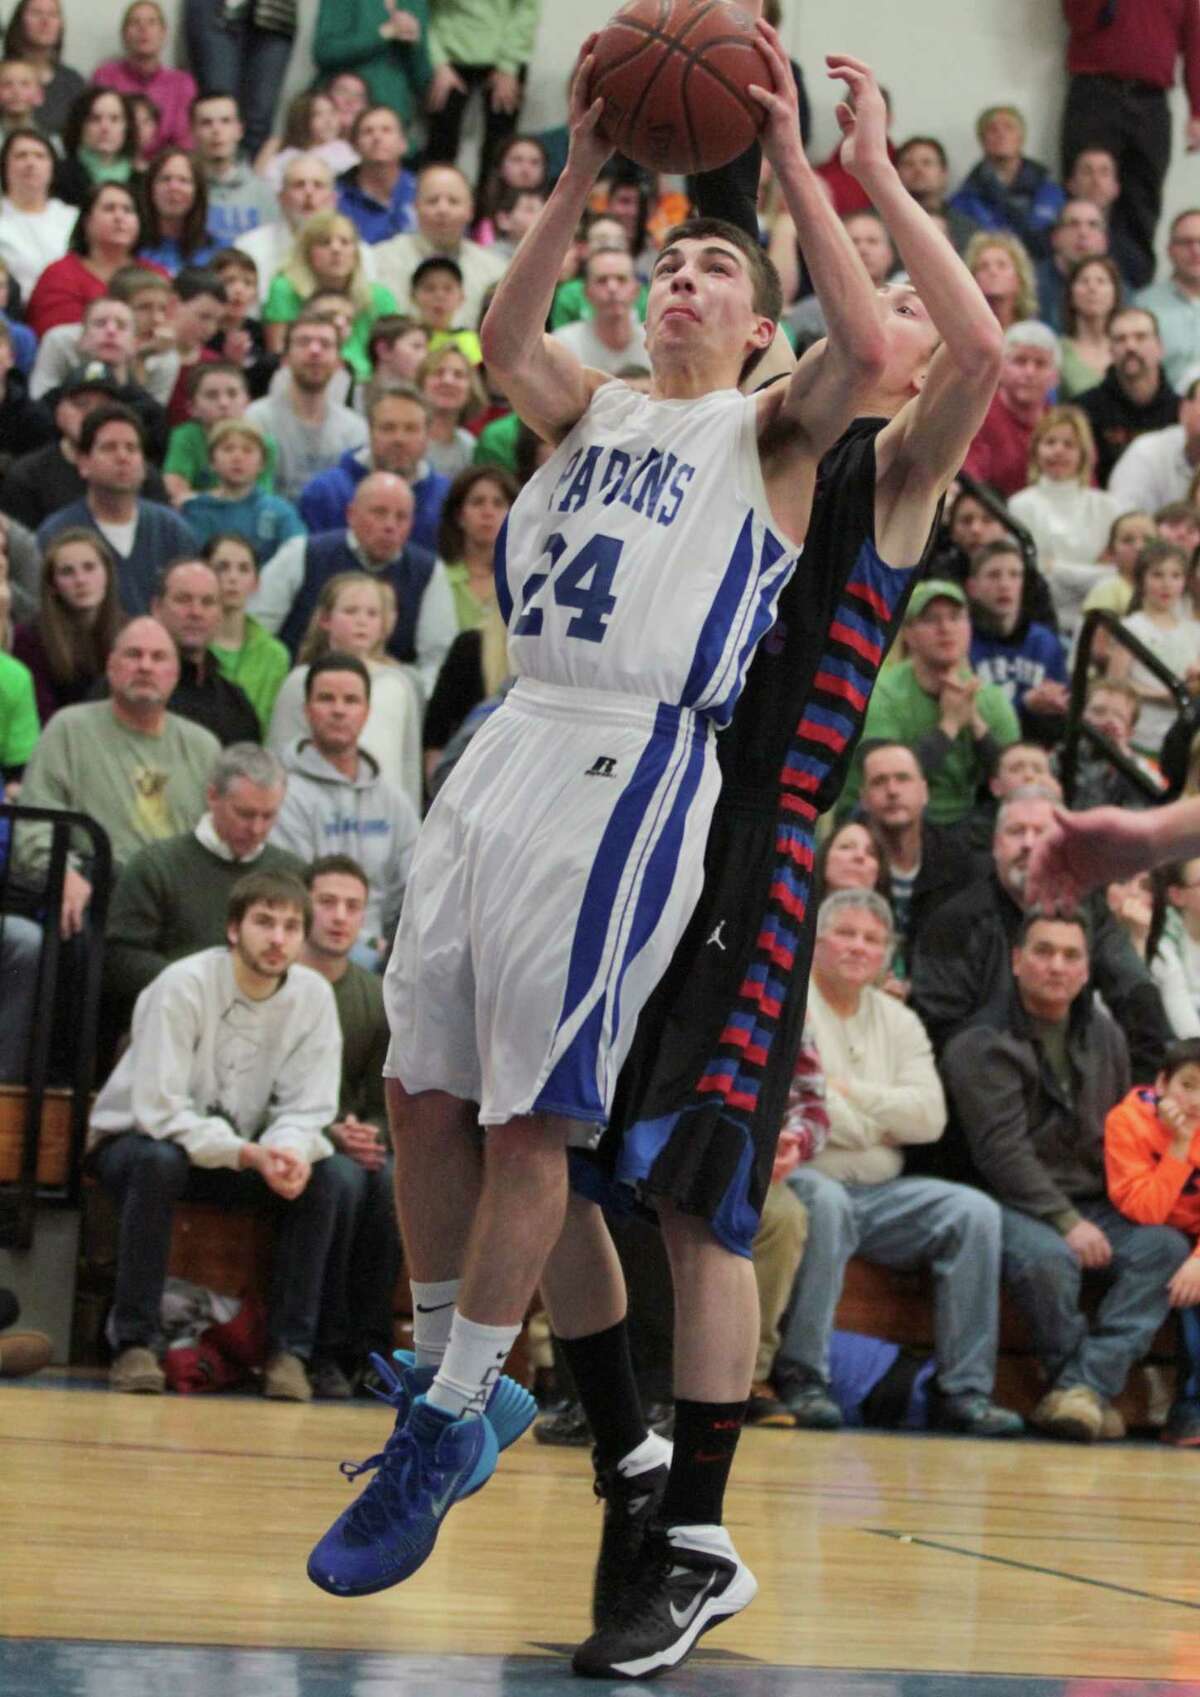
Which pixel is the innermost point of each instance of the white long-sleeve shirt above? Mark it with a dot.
(1070, 525)
(213, 1070)
(882, 1059)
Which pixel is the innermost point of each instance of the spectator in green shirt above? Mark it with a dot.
(18, 717)
(934, 702)
(482, 45)
(327, 255)
(247, 654)
(385, 41)
(217, 390)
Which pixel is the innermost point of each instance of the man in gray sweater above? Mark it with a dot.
(223, 1096)
(337, 802)
(1032, 1089)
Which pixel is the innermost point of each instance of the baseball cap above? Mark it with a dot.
(95, 376)
(933, 589)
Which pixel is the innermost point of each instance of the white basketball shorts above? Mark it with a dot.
(552, 880)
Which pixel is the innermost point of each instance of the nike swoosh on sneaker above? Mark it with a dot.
(684, 1617)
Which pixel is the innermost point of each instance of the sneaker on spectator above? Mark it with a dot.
(329, 1383)
(973, 1414)
(1074, 1414)
(137, 1370)
(564, 1423)
(807, 1396)
(1112, 1424)
(766, 1409)
(22, 1353)
(1183, 1426)
(285, 1379)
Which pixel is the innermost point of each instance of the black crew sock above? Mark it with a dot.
(706, 1439)
(602, 1369)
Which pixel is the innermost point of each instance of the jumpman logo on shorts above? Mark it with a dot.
(717, 938)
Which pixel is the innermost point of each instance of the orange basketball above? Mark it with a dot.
(673, 75)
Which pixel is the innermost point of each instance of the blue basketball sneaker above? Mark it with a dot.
(510, 1408)
(386, 1534)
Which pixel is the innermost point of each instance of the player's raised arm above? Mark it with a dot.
(934, 431)
(830, 382)
(1082, 851)
(543, 380)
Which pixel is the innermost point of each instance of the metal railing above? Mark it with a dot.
(68, 984)
(1080, 734)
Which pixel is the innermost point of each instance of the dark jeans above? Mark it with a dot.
(1045, 1279)
(1133, 122)
(1187, 1360)
(362, 1266)
(445, 127)
(238, 59)
(147, 1176)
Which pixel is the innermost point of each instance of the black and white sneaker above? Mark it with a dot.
(688, 1580)
(630, 1505)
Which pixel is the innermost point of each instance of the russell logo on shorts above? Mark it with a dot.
(603, 766)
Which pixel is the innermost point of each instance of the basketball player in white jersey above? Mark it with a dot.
(560, 863)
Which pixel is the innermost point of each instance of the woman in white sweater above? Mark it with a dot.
(1068, 519)
(35, 229)
(355, 615)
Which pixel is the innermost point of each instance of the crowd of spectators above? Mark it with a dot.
(252, 477)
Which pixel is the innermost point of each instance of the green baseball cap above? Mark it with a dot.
(933, 589)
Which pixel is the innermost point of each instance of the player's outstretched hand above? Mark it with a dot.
(588, 153)
(1083, 850)
(862, 116)
(781, 129)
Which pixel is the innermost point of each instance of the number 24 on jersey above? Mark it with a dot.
(584, 583)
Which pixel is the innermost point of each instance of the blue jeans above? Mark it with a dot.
(1045, 1277)
(238, 59)
(362, 1267)
(147, 1176)
(904, 1223)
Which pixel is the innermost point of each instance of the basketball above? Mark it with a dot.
(673, 75)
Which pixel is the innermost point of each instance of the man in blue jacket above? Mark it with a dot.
(398, 420)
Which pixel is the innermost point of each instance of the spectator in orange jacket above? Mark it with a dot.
(1152, 1161)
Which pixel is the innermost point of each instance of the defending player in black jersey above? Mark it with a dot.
(701, 1097)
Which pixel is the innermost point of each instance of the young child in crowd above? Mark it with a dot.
(1179, 522)
(1158, 617)
(354, 615)
(516, 211)
(237, 451)
(151, 299)
(20, 96)
(217, 391)
(199, 298)
(1129, 535)
(1151, 1157)
(397, 346)
(247, 654)
(240, 338)
(351, 94)
(1027, 660)
(451, 385)
(438, 297)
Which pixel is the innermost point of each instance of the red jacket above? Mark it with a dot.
(999, 455)
(847, 192)
(63, 291)
(1142, 43)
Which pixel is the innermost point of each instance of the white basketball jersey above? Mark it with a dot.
(642, 557)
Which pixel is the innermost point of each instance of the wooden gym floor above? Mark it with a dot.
(155, 1548)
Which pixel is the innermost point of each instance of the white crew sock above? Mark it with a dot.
(653, 1451)
(473, 1361)
(433, 1310)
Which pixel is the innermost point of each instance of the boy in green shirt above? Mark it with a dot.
(18, 717)
(216, 390)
